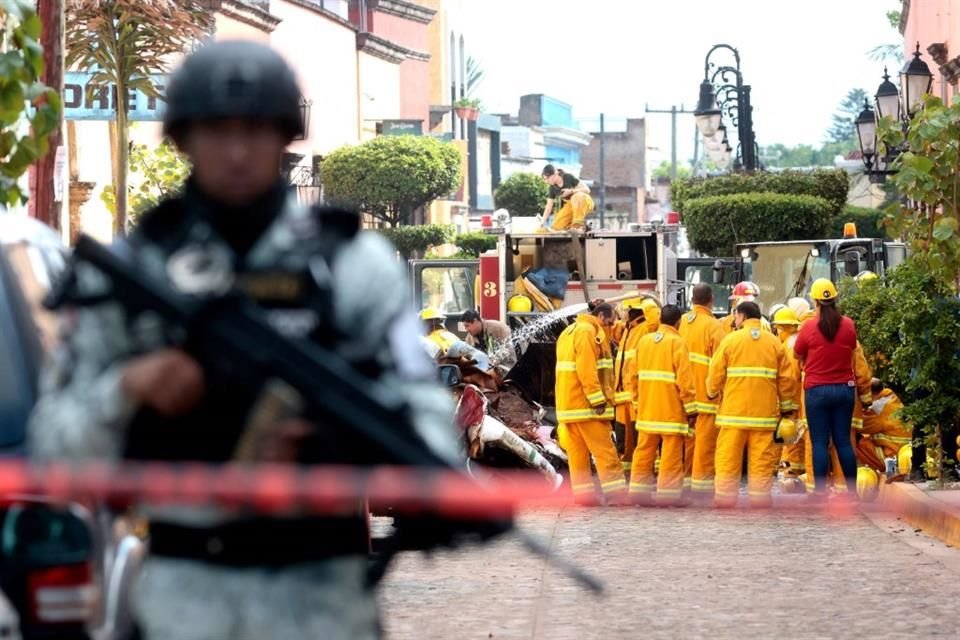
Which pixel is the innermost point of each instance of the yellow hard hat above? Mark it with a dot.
(905, 459)
(788, 432)
(823, 290)
(432, 313)
(865, 276)
(786, 316)
(519, 304)
(634, 303)
(867, 483)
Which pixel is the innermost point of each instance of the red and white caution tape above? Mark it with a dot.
(278, 489)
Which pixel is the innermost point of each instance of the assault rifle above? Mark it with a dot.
(229, 332)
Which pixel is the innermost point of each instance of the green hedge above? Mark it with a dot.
(829, 184)
(869, 222)
(414, 240)
(716, 223)
(473, 243)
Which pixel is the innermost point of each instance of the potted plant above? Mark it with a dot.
(467, 108)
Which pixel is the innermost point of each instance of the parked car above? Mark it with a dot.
(61, 567)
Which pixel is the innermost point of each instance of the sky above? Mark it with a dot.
(800, 57)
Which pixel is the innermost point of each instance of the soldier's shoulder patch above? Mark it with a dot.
(755, 334)
(657, 337)
(691, 317)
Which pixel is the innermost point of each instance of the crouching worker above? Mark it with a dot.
(584, 390)
(666, 400)
(570, 196)
(884, 432)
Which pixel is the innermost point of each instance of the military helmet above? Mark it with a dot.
(234, 79)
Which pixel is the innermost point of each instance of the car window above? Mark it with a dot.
(448, 288)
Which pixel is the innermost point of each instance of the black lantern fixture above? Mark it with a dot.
(305, 106)
(707, 114)
(915, 82)
(866, 124)
(888, 99)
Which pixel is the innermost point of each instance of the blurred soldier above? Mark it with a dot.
(117, 389)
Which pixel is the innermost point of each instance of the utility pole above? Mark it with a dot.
(50, 13)
(603, 177)
(673, 111)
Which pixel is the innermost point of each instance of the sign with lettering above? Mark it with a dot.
(82, 101)
(402, 127)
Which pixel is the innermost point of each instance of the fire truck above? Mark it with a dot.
(600, 264)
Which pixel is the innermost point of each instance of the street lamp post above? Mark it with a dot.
(899, 104)
(723, 93)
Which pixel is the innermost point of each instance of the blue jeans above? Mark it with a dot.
(829, 410)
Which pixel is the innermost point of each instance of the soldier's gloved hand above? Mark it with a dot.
(282, 442)
(168, 381)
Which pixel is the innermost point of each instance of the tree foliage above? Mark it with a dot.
(390, 177)
(160, 173)
(413, 241)
(122, 42)
(928, 176)
(22, 97)
(841, 127)
(908, 323)
(522, 194)
(829, 184)
(804, 155)
(715, 224)
(663, 170)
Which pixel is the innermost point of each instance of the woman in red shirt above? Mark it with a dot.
(825, 348)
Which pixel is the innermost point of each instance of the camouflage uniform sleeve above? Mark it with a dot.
(81, 411)
(375, 313)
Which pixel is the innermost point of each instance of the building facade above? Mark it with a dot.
(935, 25)
(624, 156)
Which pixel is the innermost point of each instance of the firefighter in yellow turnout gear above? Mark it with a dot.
(666, 411)
(884, 432)
(787, 324)
(751, 370)
(702, 334)
(624, 365)
(585, 406)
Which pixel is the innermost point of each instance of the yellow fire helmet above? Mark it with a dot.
(905, 459)
(519, 304)
(823, 290)
(633, 303)
(786, 316)
(865, 276)
(867, 483)
(432, 313)
(651, 311)
(788, 432)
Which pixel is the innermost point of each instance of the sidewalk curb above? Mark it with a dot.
(937, 518)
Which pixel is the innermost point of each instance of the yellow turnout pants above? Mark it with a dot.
(669, 482)
(573, 212)
(581, 440)
(704, 454)
(760, 465)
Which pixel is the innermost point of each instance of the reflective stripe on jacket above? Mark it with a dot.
(584, 372)
(883, 422)
(666, 391)
(702, 334)
(443, 339)
(752, 372)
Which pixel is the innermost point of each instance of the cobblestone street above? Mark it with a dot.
(674, 573)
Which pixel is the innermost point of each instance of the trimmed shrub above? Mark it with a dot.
(473, 243)
(869, 222)
(522, 194)
(829, 184)
(414, 240)
(716, 223)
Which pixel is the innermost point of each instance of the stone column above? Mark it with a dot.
(80, 193)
